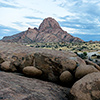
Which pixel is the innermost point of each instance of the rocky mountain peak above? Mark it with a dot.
(48, 31)
(49, 23)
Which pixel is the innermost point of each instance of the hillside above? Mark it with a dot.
(48, 31)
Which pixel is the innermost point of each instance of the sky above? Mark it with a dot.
(80, 18)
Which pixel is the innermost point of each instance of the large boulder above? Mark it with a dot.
(32, 71)
(52, 66)
(15, 87)
(84, 70)
(87, 88)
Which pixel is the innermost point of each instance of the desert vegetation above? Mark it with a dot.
(75, 47)
(85, 50)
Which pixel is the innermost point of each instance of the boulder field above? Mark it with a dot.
(61, 67)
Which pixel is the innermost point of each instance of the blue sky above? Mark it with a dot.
(80, 18)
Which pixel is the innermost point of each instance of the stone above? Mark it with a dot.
(6, 66)
(84, 70)
(66, 78)
(32, 71)
(1, 60)
(78, 60)
(21, 60)
(51, 62)
(52, 66)
(69, 64)
(87, 88)
(16, 87)
(91, 63)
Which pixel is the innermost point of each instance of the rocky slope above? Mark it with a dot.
(15, 87)
(48, 31)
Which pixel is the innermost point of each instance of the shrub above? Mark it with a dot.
(85, 53)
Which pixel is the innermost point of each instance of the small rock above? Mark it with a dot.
(7, 66)
(84, 70)
(22, 60)
(66, 77)
(32, 71)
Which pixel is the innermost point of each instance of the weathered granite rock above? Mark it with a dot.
(87, 88)
(7, 66)
(66, 77)
(84, 70)
(15, 87)
(32, 71)
(21, 60)
(88, 62)
(52, 63)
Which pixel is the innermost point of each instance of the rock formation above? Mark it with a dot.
(15, 87)
(87, 88)
(48, 31)
(50, 65)
(61, 67)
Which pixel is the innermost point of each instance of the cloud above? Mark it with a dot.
(74, 16)
(86, 19)
(32, 17)
(7, 31)
(7, 5)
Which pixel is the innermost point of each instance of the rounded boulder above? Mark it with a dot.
(66, 77)
(87, 88)
(7, 66)
(84, 70)
(32, 71)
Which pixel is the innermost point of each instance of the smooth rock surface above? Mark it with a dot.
(66, 77)
(84, 70)
(6, 66)
(32, 71)
(15, 87)
(87, 88)
(91, 63)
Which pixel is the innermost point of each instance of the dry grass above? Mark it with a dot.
(75, 47)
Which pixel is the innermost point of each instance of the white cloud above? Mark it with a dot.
(6, 30)
(70, 30)
(83, 16)
(36, 8)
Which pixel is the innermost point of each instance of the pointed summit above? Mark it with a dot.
(48, 31)
(49, 23)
